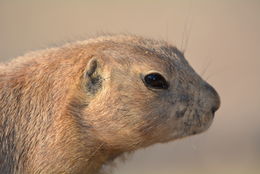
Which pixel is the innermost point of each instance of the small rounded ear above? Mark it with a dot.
(93, 76)
(91, 67)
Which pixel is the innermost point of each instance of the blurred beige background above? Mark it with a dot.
(222, 42)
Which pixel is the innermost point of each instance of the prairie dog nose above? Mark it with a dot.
(214, 97)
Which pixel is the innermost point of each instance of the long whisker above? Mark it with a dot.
(187, 29)
(206, 68)
(94, 153)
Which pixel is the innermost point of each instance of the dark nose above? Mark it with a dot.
(215, 97)
(214, 109)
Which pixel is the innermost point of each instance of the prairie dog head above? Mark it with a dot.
(142, 91)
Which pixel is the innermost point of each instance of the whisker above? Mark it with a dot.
(206, 68)
(94, 153)
(187, 29)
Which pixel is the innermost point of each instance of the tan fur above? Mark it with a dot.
(55, 119)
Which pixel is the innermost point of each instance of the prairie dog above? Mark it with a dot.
(75, 108)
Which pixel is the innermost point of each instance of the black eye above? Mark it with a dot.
(155, 80)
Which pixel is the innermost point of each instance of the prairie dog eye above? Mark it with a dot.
(156, 81)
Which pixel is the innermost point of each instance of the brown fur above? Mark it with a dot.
(75, 108)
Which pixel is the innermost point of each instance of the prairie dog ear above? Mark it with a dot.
(93, 76)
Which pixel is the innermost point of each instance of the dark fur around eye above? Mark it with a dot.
(155, 81)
